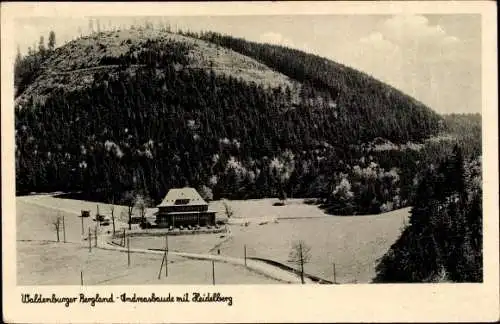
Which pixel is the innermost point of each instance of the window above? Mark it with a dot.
(181, 201)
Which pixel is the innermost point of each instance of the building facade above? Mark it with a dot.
(183, 207)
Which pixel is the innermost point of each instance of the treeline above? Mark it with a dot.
(467, 130)
(443, 242)
(27, 68)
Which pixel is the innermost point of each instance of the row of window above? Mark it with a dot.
(193, 217)
(184, 208)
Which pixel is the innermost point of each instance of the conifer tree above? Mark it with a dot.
(52, 41)
(41, 46)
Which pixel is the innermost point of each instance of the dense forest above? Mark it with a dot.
(384, 111)
(167, 125)
(443, 241)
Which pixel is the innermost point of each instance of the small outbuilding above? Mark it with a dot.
(183, 207)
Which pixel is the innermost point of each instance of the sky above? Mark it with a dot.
(434, 58)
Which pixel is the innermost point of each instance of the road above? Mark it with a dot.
(257, 266)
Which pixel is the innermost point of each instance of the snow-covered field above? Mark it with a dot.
(41, 260)
(49, 263)
(255, 211)
(199, 243)
(353, 243)
(252, 211)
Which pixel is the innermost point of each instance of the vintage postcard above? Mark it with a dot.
(250, 162)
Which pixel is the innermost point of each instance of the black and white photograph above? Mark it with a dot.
(253, 149)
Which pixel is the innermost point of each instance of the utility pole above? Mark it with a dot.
(166, 255)
(81, 278)
(128, 251)
(64, 230)
(245, 253)
(334, 274)
(161, 267)
(90, 241)
(95, 234)
(213, 272)
(301, 264)
(164, 260)
(82, 223)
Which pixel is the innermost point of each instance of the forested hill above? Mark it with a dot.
(384, 111)
(148, 110)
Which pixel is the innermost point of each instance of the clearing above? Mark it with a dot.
(353, 243)
(41, 260)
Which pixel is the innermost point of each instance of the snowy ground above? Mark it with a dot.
(43, 260)
(256, 211)
(354, 243)
(51, 263)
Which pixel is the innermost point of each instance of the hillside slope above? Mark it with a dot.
(150, 110)
(74, 65)
(383, 110)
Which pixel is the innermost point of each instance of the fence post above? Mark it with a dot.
(81, 278)
(245, 253)
(334, 274)
(213, 272)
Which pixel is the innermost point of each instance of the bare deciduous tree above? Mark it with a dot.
(57, 225)
(129, 200)
(137, 201)
(142, 202)
(228, 210)
(112, 209)
(300, 255)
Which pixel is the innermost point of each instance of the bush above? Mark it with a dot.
(146, 224)
(206, 193)
(136, 220)
(311, 201)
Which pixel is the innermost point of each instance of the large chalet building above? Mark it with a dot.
(183, 207)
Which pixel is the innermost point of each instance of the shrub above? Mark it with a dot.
(145, 224)
(311, 201)
(206, 193)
